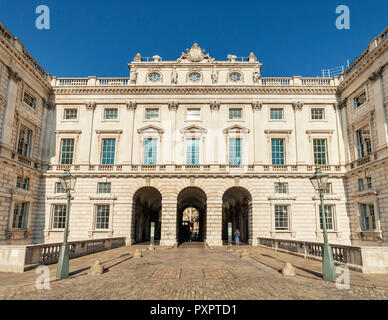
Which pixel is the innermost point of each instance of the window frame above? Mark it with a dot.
(276, 191)
(63, 217)
(277, 228)
(355, 103)
(114, 152)
(70, 108)
(284, 151)
(25, 208)
(110, 109)
(362, 217)
(61, 151)
(151, 108)
(99, 184)
(241, 114)
(270, 109)
(324, 117)
(333, 217)
(326, 151)
(33, 96)
(95, 220)
(154, 156)
(193, 120)
(241, 150)
(30, 142)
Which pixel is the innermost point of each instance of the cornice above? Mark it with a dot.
(168, 90)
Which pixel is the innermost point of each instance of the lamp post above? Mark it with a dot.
(68, 183)
(319, 182)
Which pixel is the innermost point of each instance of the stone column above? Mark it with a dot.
(168, 232)
(214, 222)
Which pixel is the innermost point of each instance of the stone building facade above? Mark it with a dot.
(198, 133)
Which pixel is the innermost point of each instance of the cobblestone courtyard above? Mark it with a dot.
(195, 273)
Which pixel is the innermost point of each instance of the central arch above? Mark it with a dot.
(191, 204)
(147, 208)
(237, 209)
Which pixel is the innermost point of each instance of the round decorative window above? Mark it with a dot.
(235, 76)
(195, 76)
(154, 77)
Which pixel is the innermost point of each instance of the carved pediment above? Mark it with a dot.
(236, 128)
(150, 128)
(195, 54)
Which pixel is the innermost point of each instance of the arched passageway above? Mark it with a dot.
(191, 215)
(237, 209)
(147, 208)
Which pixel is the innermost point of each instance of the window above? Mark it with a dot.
(59, 188)
(154, 77)
(152, 114)
(103, 187)
(67, 151)
(235, 76)
(281, 217)
(320, 155)
(235, 113)
(281, 187)
(108, 151)
(329, 217)
(364, 184)
(194, 76)
(150, 151)
(277, 151)
(276, 114)
(59, 216)
(70, 114)
(20, 212)
(29, 100)
(360, 100)
(367, 214)
(317, 114)
(328, 188)
(363, 142)
(22, 183)
(369, 182)
(192, 154)
(24, 143)
(235, 151)
(110, 114)
(102, 216)
(193, 114)
(361, 186)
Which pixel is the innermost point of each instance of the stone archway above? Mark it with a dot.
(191, 198)
(237, 209)
(147, 208)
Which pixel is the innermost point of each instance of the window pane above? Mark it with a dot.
(102, 216)
(70, 114)
(59, 216)
(150, 151)
(367, 213)
(108, 151)
(235, 150)
(67, 150)
(59, 188)
(111, 114)
(152, 114)
(360, 100)
(29, 100)
(363, 142)
(192, 151)
(20, 215)
(235, 113)
(277, 151)
(317, 114)
(24, 142)
(281, 187)
(104, 187)
(276, 114)
(281, 217)
(193, 114)
(319, 151)
(329, 217)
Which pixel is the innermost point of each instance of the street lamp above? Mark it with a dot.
(319, 182)
(68, 183)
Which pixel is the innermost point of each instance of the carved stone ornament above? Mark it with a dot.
(173, 106)
(174, 76)
(131, 105)
(91, 105)
(214, 106)
(256, 105)
(214, 75)
(14, 75)
(138, 58)
(297, 105)
(195, 54)
(133, 76)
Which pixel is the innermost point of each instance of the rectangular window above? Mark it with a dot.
(152, 114)
(320, 154)
(193, 114)
(367, 213)
(20, 212)
(276, 114)
(59, 216)
(317, 114)
(360, 100)
(22, 183)
(24, 142)
(363, 142)
(192, 152)
(70, 114)
(110, 114)
(329, 217)
(235, 151)
(277, 151)
(29, 100)
(102, 216)
(361, 186)
(103, 187)
(150, 150)
(235, 113)
(369, 182)
(59, 188)
(281, 217)
(67, 151)
(327, 188)
(281, 187)
(108, 151)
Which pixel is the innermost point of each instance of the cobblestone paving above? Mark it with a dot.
(193, 273)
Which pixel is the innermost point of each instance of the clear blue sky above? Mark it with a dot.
(100, 37)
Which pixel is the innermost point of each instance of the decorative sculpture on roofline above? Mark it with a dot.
(195, 54)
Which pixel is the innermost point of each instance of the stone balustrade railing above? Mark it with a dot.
(19, 258)
(349, 255)
(205, 168)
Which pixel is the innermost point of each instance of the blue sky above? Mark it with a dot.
(100, 37)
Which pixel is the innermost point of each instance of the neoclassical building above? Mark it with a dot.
(214, 137)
